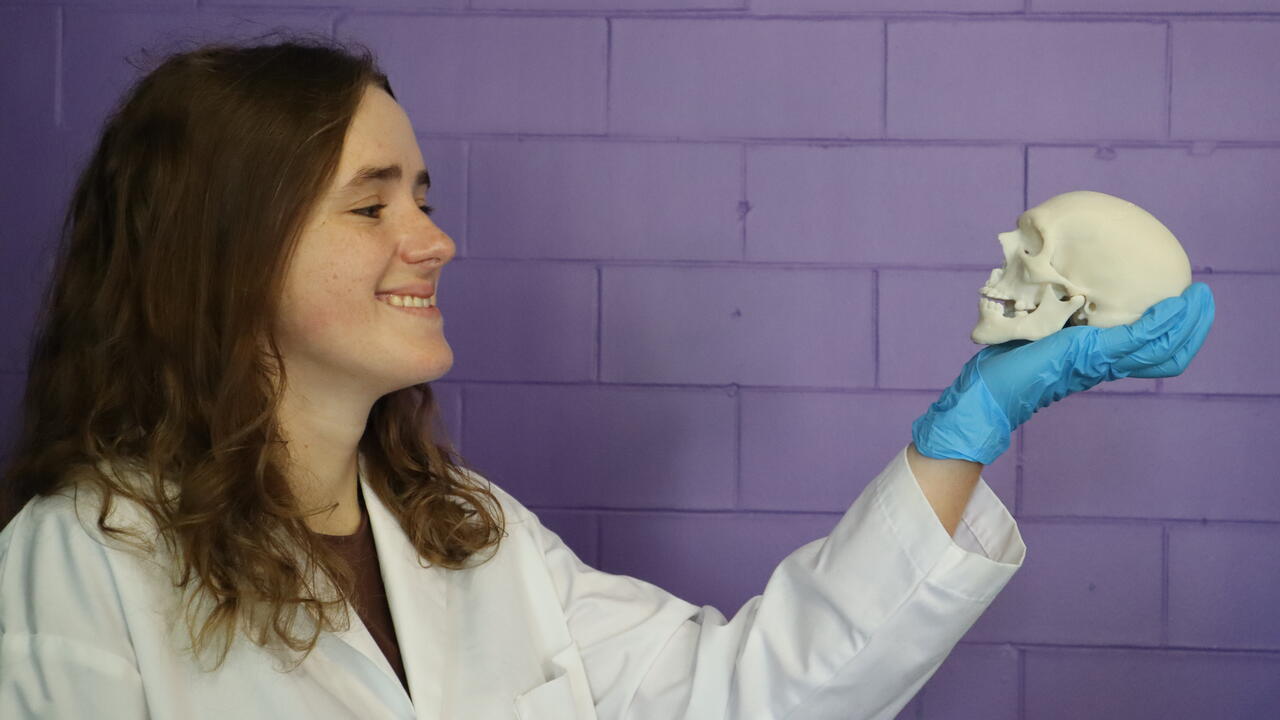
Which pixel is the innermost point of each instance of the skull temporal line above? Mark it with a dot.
(1079, 258)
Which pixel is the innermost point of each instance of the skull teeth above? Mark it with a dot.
(1008, 307)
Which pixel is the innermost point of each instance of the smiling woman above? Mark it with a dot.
(343, 345)
(264, 363)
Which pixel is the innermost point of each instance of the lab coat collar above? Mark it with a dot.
(417, 600)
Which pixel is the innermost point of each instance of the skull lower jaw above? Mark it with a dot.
(994, 327)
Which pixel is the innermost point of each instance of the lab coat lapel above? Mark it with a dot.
(417, 600)
(352, 666)
(357, 641)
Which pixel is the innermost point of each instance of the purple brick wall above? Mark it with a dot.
(750, 232)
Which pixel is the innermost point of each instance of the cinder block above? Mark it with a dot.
(483, 74)
(446, 160)
(746, 78)
(28, 53)
(12, 386)
(578, 530)
(836, 6)
(1069, 684)
(448, 398)
(1154, 6)
(1224, 80)
(686, 553)
(752, 326)
(1223, 591)
(1027, 80)
(975, 682)
(1240, 354)
(895, 205)
(30, 222)
(99, 46)
(519, 321)
(925, 317)
(359, 5)
(1085, 583)
(606, 199)
(590, 446)
(608, 5)
(1153, 457)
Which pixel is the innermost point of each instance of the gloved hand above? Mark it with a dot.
(1001, 386)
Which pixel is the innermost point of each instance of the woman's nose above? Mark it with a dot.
(431, 243)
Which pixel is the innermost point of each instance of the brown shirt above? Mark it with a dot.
(370, 597)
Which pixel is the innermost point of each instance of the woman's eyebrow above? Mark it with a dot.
(384, 173)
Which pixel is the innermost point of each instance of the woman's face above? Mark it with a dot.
(337, 330)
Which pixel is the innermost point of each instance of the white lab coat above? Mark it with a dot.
(849, 626)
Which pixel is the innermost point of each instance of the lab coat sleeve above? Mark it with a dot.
(64, 647)
(849, 626)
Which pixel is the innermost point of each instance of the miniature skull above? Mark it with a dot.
(1079, 258)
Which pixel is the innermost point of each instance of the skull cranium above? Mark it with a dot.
(1079, 258)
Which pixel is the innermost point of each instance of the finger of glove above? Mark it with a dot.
(1028, 376)
(984, 357)
(1185, 348)
(1010, 360)
(1004, 347)
(1208, 311)
(1115, 344)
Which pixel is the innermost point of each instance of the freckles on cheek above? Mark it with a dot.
(329, 312)
(322, 320)
(339, 313)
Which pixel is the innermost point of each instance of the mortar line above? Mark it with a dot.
(1022, 682)
(744, 203)
(1164, 584)
(737, 455)
(608, 74)
(1026, 175)
(462, 416)
(1017, 473)
(875, 326)
(598, 371)
(599, 540)
(58, 66)
(884, 80)
(1168, 80)
(466, 198)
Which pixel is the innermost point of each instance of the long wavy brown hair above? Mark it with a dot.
(154, 348)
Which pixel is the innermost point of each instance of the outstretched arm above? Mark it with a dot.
(947, 484)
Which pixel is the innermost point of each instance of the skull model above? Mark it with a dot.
(1079, 258)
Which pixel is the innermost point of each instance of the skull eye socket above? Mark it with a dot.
(1032, 241)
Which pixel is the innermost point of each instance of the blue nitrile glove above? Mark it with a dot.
(1001, 386)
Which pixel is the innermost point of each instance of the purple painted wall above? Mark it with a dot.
(715, 256)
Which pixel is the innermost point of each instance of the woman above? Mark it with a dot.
(229, 442)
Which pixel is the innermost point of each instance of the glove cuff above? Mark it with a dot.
(965, 423)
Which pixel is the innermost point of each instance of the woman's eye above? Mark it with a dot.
(428, 209)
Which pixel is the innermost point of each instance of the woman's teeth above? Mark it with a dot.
(408, 300)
